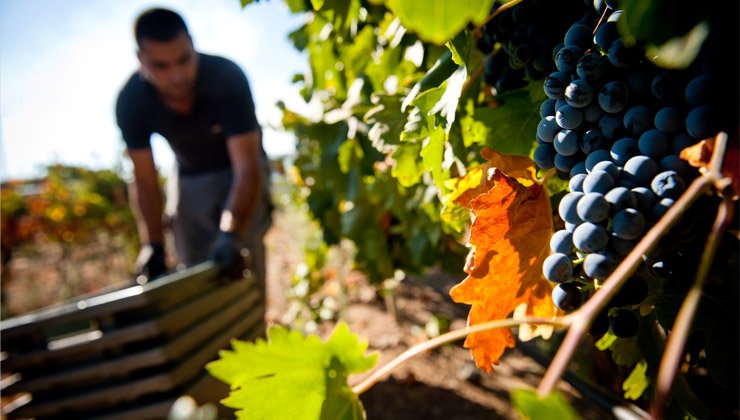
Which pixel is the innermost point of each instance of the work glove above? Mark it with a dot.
(150, 263)
(226, 254)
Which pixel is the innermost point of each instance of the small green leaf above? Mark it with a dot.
(291, 376)
(532, 406)
(437, 21)
(679, 52)
(636, 383)
(606, 341)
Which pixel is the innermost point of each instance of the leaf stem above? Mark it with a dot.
(451, 336)
(583, 317)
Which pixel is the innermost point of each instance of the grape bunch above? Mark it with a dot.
(614, 126)
(520, 41)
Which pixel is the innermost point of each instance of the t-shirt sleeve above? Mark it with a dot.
(134, 131)
(238, 115)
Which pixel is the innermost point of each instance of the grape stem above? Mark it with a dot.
(584, 316)
(501, 9)
(451, 336)
(679, 333)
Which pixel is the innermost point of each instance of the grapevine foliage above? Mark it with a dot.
(421, 111)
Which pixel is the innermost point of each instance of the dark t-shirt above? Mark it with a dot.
(223, 107)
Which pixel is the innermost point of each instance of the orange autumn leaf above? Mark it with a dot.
(509, 241)
(699, 154)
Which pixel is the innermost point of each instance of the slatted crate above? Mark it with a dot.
(128, 353)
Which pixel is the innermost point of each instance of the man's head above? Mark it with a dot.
(166, 53)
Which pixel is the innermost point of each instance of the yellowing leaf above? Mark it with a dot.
(509, 241)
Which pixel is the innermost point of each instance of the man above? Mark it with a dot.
(203, 106)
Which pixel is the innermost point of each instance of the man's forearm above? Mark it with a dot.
(146, 201)
(242, 202)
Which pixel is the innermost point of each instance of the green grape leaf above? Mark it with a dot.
(464, 50)
(672, 30)
(442, 69)
(437, 21)
(532, 406)
(508, 128)
(432, 155)
(408, 169)
(290, 376)
(636, 383)
(387, 121)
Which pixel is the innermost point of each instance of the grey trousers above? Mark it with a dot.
(194, 206)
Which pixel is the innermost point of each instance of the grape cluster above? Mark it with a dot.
(520, 42)
(614, 125)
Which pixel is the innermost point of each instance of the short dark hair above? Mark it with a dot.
(158, 25)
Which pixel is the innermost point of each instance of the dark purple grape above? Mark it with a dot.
(700, 123)
(578, 35)
(593, 140)
(579, 93)
(566, 142)
(544, 156)
(593, 207)
(668, 119)
(654, 144)
(576, 182)
(633, 292)
(640, 170)
(591, 67)
(598, 265)
(628, 224)
(561, 242)
(699, 90)
(638, 119)
(624, 323)
(597, 156)
(609, 167)
(567, 207)
(547, 128)
(598, 181)
(568, 117)
(667, 184)
(555, 85)
(613, 97)
(620, 198)
(557, 268)
(623, 150)
(567, 58)
(590, 237)
(567, 296)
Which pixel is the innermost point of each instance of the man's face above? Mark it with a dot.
(170, 66)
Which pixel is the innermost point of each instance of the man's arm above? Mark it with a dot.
(146, 197)
(244, 152)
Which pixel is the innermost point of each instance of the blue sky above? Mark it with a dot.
(63, 62)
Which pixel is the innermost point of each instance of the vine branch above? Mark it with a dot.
(583, 317)
(679, 333)
(451, 336)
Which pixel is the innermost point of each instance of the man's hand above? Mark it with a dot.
(226, 254)
(150, 262)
